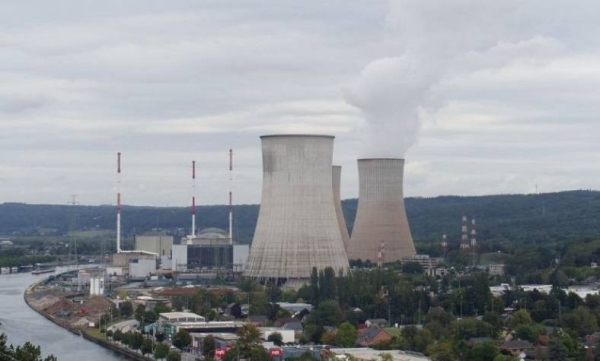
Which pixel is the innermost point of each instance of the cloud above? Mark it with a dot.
(496, 92)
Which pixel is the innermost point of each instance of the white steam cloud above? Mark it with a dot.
(434, 39)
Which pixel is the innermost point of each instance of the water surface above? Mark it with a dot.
(20, 323)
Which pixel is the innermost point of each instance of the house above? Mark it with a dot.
(295, 326)
(377, 322)
(371, 336)
(258, 320)
(477, 340)
(516, 347)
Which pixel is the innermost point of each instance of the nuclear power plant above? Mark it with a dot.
(337, 199)
(297, 227)
(381, 228)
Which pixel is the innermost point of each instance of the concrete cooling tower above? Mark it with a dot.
(380, 222)
(337, 199)
(297, 227)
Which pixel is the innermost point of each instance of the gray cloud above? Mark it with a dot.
(513, 104)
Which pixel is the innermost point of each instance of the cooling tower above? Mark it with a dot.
(380, 215)
(297, 227)
(337, 178)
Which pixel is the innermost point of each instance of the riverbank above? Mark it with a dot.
(43, 302)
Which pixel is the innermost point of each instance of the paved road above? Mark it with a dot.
(125, 326)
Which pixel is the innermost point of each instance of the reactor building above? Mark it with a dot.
(297, 227)
(381, 232)
(337, 199)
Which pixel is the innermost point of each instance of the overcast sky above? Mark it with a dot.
(481, 97)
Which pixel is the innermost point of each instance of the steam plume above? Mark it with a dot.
(433, 37)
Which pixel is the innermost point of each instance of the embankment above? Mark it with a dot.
(81, 332)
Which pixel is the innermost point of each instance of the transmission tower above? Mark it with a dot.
(72, 229)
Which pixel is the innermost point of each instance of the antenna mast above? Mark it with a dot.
(230, 196)
(119, 202)
(193, 198)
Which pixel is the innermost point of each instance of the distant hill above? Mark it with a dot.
(515, 219)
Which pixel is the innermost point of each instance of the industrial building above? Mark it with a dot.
(158, 243)
(381, 232)
(297, 227)
(337, 199)
(210, 249)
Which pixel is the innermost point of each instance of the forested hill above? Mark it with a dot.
(550, 217)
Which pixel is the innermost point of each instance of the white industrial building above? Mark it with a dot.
(287, 336)
(97, 286)
(157, 243)
(140, 268)
(211, 248)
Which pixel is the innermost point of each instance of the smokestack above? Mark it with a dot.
(230, 196)
(380, 214)
(193, 198)
(119, 202)
(337, 176)
(297, 227)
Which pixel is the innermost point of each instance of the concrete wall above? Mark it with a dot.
(123, 259)
(337, 179)
(297, 227)
(159, 244)
(240, 256)
(141, 268)
(166, 262)
(179, 260)
(380, 215)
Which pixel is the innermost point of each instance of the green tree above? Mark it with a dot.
(208, 346)
(247, 346)
(528, 331)
(26, 352)
(327, 313)
(149, 317)
(481, 292)
(557, 351)
(385, 356)
(485, 351)
(147, 346)
(126, 309)
(327, 289)
(161, 351)
(118, 336)
(581, 320)
(412, 268)
(520, 317)
(182, 339)
(442, 351)
(346, 335)
(136, 340)
(139, 313)
(173, 356)
(276, 338)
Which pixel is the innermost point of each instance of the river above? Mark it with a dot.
(20, 323)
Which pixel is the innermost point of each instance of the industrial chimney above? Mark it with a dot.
(337, 199)
(380, 215)
(297, 227)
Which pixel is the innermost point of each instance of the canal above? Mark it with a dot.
(20, 323)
